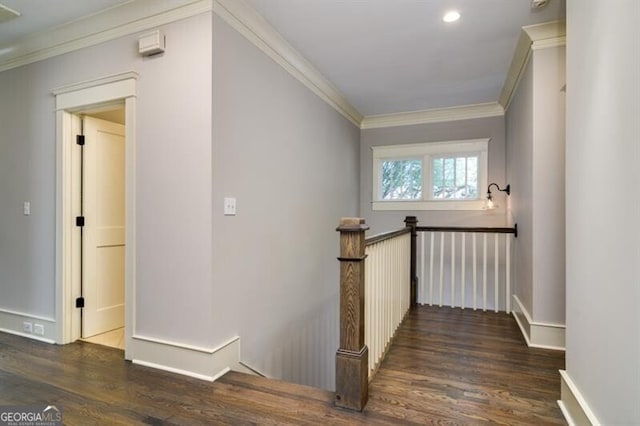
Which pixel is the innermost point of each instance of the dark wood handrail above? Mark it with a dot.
(481, 230)
(386, 236)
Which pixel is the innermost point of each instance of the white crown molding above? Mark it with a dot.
(438, 115)
(546, 30)
(142, 15)
(244, 19)
(532, 37)
(129, 18)
(550, 42)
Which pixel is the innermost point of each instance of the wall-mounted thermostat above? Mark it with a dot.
(151, 43)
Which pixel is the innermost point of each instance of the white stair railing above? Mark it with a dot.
(387, 291)
(465, 267)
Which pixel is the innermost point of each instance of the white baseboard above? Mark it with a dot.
(574, 407)
(537, 334)
(247, 369)
(12, 322)
(194, 361)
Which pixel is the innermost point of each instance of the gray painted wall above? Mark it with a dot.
(174, 194)
(603, 207)
(292, 163)
(519, 123)
(270, 273)
(174, 294)
(381, 221)
(535, 166)
(548, 185)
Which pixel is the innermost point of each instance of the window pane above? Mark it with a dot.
(472, 177)
(401, 179)
(461, 171)
(437, 175)
(455, 178)
(449, 171)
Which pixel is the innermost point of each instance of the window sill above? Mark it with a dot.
(429, 205)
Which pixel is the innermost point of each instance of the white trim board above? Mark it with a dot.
(128, 18)
(142, 15)
(532, 37)
(574, 407)
(248, 22)
(12, 323)
(121, 88)
(247, 369)
(538, 334)
(436, 115)
(194, 361)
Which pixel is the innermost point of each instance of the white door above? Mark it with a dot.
(103, 231)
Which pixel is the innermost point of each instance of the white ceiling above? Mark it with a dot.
(385, 56)
(40, 15)
(389, 56)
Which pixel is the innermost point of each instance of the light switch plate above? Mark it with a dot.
(229, 206)
(26, 208)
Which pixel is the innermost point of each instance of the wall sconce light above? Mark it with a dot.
(489, 205)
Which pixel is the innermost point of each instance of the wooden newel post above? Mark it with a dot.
(412, 222)
(352, 358)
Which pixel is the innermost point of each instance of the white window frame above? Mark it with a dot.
(427, 151)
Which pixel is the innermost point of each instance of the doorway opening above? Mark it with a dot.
(100, 196)
(95, 202)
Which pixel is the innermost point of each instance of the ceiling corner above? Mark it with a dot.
(435, 115)
(547, 34)
(248, 22)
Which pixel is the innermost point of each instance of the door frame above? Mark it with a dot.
(70, 100)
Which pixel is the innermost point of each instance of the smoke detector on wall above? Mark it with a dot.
(6, 13)
(538, 4)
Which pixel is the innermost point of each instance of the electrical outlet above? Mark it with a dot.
(229, 206)
(27, 327)
(26, 208)
(38, 329)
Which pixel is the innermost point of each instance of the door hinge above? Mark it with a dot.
(79, 220)
(80, 139)
(80, 302)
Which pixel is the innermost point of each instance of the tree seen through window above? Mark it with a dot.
(402, 179)
(455, 177)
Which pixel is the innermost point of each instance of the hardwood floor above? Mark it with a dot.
(446, 366)
(113, 338)
(467, 367)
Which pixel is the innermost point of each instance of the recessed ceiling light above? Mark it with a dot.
(451, 16)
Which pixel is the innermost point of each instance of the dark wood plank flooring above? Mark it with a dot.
(446, 366)
(466, 367)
